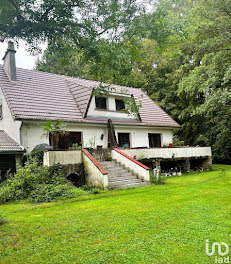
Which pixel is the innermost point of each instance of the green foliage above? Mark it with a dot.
(180, 54)
(78, 21)
(91, 190)
(2, 218)
(75, 146)
(30, 182)
(152, 224)
(177, 142)
(132, 106)
(37, 154)
(52, 192)
(103, 90)
(157, 179)
(91, 142)
(55, 130)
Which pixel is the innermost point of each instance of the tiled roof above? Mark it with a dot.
(45, 96)
(8, 144)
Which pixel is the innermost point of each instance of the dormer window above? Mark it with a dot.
(101, 102)
(120, 105)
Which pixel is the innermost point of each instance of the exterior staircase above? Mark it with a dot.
(121, 177)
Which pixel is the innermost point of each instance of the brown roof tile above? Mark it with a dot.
(45, 96)
(8, 144)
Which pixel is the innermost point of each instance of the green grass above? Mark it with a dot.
(154, 224)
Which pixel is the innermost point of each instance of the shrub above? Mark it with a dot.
(91, 190)
(35, 154)
(177, 142)
(32, 181)
(38, 154)
(49, 192)
(157, 179)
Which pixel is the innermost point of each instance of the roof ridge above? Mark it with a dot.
(73, 97)
(72, 81)
(77, 78)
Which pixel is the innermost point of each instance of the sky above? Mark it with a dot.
(23, 58)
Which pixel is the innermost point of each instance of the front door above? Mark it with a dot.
(124, 140)
(154, 140)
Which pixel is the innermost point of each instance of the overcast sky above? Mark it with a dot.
(23, 58)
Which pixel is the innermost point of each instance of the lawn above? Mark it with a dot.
(154, 224)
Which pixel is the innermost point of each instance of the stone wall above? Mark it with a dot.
(75, 173)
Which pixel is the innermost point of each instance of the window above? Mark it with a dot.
(101, 102)
(124, 140)
(120, 105)
(66, 141)
(154, 140)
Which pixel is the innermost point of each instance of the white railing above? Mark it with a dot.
(96, 174)
(63, 157)
(126, 160)
(169, 153)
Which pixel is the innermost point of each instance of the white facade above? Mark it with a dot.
(7, 123)
(110, 112)
(32, 134)
(139, 135)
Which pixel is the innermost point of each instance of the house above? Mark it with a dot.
(28, 98)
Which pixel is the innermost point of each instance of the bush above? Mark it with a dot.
(91, 190)
(49, 192)
(35, 154)
(34, 181)
(177, 142)
(157, 180)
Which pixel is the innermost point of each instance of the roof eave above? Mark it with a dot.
(98, 123)
(12, 151)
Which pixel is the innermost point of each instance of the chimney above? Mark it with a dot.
(9, 62)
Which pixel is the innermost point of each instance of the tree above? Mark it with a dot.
(75, 20)
(180, 55)
(54, 130)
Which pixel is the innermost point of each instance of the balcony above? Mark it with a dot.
(169, 153)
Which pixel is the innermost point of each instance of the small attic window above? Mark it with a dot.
(101, 102)
(120, 105)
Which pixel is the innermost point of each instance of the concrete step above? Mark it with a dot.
(113, 169)
(140, 184)
(127, 178)
(120, 177)
(110, 165)
(108, 162)
(122, 182)
(128, 175)
(119, 173)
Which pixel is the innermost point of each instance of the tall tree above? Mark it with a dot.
(34, 20)
(180, 54)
